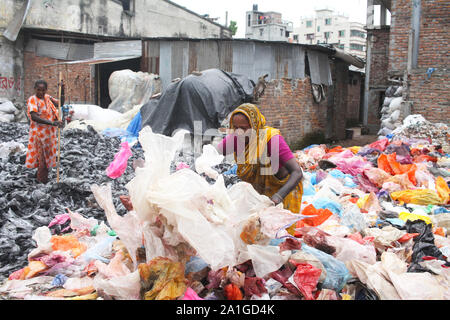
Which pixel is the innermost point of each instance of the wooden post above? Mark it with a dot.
(59, 129)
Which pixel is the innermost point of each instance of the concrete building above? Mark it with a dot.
(411, 52)
(332, 28)
(268, 26)
(36, 35)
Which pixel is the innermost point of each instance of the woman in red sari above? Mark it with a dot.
(42, 143)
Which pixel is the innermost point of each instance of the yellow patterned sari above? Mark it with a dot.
(254, 166)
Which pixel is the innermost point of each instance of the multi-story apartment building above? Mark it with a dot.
(267, 26)
(331, 28)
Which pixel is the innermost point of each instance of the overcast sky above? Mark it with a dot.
(291, 10)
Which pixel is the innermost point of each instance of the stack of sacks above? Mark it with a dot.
(7, 110)
(391, 111)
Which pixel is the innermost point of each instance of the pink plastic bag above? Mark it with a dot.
(191, 295)
(119, 165)
(380, 144)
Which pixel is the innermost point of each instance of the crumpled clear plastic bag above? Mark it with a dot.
(348, 249)
(125, 287)
(337, 273)
(209, 158)
(127, 227)
(266, 259)
(42, 236)
(412, 285)
(120, 162)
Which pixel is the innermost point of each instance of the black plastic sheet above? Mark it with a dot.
(207, 98)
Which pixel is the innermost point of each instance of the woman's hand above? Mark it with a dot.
(58, 124)
(276, 198)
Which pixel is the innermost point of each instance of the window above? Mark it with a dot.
(309, 24)
(282, 31)
(295, 37)
(310, 36)
(327, 35)
(318, 29)
(357, 33)
(341, 33)
(355, 46)
(328, 21)
(249, 20)
(261, 32)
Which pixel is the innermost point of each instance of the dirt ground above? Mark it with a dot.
(357, 141)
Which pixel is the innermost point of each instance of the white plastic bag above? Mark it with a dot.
(209, 158)
(42, 236)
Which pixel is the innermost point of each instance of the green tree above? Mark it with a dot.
(233, 27)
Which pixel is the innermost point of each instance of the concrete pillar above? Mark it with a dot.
(416, 15)
(370, 14)
(383, 15)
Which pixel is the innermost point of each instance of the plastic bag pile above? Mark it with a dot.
(373, 225)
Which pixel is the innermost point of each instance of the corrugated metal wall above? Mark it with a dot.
(178, 58)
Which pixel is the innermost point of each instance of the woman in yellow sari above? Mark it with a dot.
(264, 160)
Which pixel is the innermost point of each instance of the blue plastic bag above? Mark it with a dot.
(195, 264)
(59, 280)
(94, 253)
(135, 125)
(233, 170)
(323, 203)
(337, 272)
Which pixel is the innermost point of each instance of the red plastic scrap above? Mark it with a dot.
(253, 286)
(282, 277)
(306, 278)
(290, 244)
(232, 292)
(407, 236)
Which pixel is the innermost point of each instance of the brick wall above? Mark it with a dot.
(289, 106)
(399, 35)
(379, 53)
(431, 97)
(428, 97)
(434, 34)
(354, 96)
(338, 104)
(79, 84)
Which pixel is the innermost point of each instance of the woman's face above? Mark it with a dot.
(240, 124)
(242, 127)
(41, 90)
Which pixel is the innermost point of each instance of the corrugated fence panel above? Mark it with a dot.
(244, 58)
(226, 56)
(165, 63)
(263, 61)
(207, 55)
(180, 59)
(298, 62)
(117, 49)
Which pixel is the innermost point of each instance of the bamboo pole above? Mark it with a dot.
(59, 129)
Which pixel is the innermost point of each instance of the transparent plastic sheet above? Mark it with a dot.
(121, 288)
(337, 273)
(412, 285)
(209, 158)
(348, 249)
(266, 259)
(127, 227)
(375, 277)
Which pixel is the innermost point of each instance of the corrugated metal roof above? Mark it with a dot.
(94, 61)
